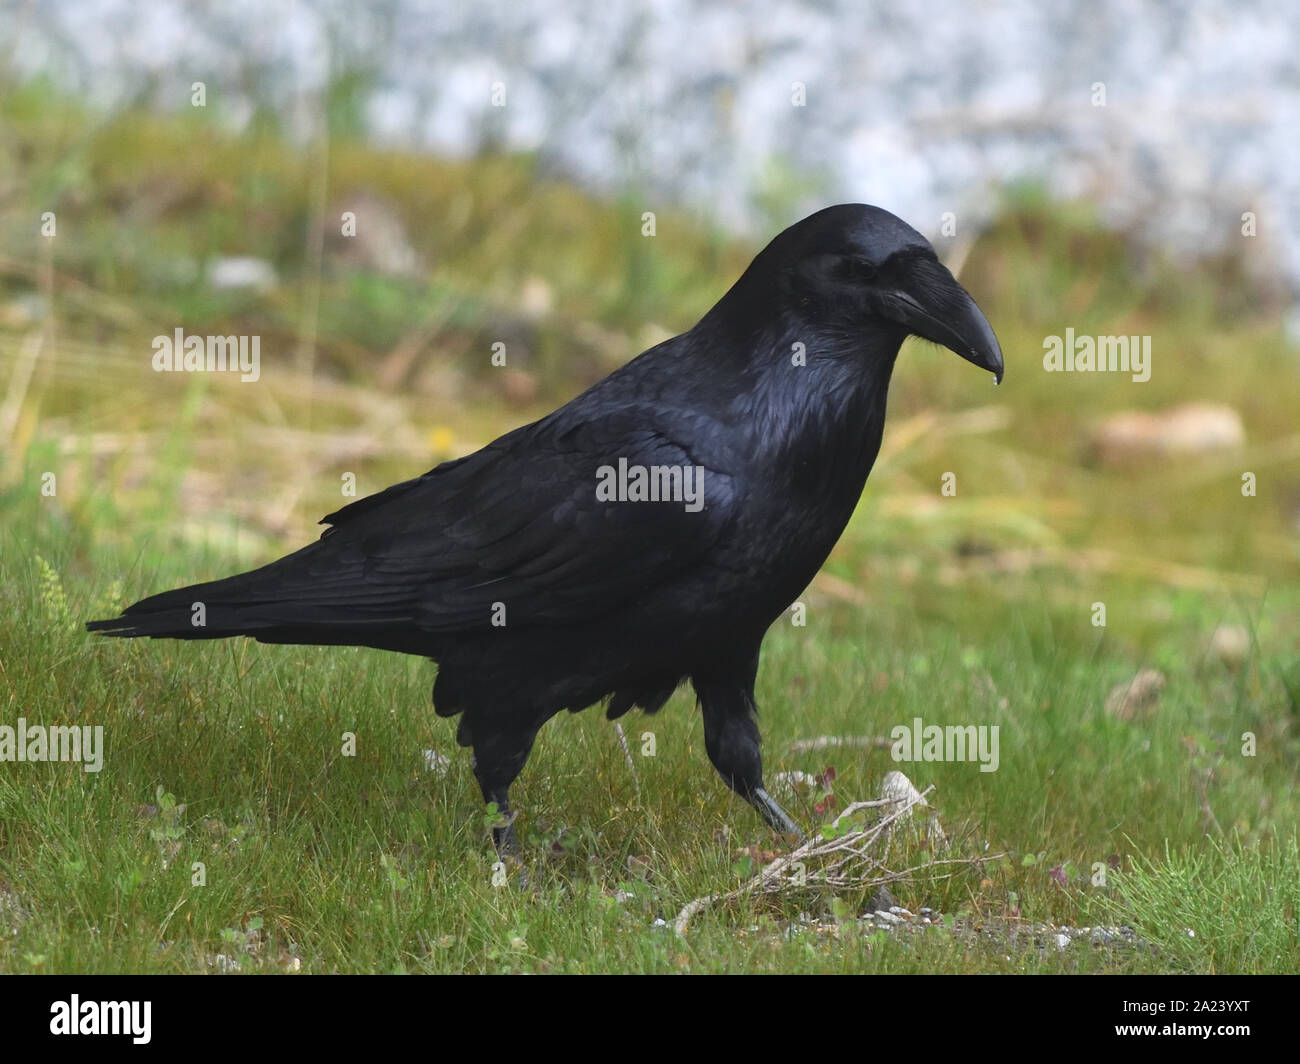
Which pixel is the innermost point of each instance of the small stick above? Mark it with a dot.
(631, 763)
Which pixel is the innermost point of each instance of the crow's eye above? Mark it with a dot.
(857, 271)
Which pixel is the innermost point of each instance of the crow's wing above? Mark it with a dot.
(519, 523)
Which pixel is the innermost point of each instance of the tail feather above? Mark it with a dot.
(287, 601)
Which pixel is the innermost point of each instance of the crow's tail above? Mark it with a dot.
(288, 601)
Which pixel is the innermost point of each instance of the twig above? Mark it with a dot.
(689, 910)
(822, 742)
(631, 762)
(852, 863)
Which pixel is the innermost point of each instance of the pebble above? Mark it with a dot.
(1230, 643)
(882, 901)
(897, 920)
(241, 272)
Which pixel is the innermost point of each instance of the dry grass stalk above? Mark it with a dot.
(853, 860)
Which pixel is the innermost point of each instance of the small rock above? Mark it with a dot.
(1230, 644)
(1062, 941)
(795, 782)
(1196, 428)
(378, 241)
(640, 867)
(436, 763)
(885, 917)
(536, 299)
(241, 272)
(882, 901)
(1138, 696)
(898, 910)
(518, 386)
(897, 788)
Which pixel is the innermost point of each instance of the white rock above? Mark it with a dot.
(896, 787)
(241, 272)
(1230, 644)
(795, 782)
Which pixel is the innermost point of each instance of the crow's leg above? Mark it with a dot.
(499, 756)
(731, 738)
(503, 837)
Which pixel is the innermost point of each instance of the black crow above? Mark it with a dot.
(647, 531)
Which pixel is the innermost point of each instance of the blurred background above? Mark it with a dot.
(1129, 168)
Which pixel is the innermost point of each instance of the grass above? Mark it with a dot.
(374, 863)
(226, 762)
(1227, 908)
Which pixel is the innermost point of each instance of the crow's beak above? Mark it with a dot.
(935, 307)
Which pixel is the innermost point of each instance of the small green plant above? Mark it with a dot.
(53, 599)
(166, 827)
(396, 881)
(240, 945)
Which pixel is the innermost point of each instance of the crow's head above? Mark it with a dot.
(854, 269)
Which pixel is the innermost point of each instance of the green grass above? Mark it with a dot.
(974, 609)
(1227, 907)
(372, 863)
